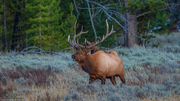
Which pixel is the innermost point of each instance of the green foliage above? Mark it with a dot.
(99, 23)
(135, 6)
(49, 25)
(9, 19)
(51, 42)
(155, 15)
(1, 17)
(152, 16)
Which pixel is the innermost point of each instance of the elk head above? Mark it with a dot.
(82, 50)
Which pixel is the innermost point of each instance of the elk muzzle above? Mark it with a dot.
(73, 57)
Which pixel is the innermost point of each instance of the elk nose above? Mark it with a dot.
(73, 57)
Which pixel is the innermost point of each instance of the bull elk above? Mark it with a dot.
(97, 63)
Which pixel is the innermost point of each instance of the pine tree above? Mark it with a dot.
(4, 23)
(1, 27)
(7, 10)
(19, 20)
(48, 25)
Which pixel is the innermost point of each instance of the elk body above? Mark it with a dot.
(97, 63)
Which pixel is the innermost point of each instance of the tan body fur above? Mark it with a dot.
(98, 64)
(102, 65)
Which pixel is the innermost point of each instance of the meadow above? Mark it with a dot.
(152, 74)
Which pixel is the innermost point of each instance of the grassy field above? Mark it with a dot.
(152, 74)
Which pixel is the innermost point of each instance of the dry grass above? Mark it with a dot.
(62, 86)
(171, 98)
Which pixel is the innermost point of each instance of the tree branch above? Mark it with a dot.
(92, 23)
(148, 12)
(105, 10)
(76, 8)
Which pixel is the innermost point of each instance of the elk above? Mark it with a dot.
(97, 63)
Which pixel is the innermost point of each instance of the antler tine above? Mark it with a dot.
(70, 42)
(106, 36)
(107, 27)
(87, 42)
(74, 43)
(81, 32)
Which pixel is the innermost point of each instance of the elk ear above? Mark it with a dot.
(89, 53)
(77, 48)
(92, 51)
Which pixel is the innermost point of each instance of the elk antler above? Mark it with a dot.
(104, 37)
(73, 43)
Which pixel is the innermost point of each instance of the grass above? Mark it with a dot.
(152, 74)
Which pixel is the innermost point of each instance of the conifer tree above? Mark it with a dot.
(48, 26)
(1, 27)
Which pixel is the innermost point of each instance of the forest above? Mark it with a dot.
(46, 24)
(36, 61)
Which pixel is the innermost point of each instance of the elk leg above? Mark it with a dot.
(113, 80)
(103, 80)
(91, 79)
(122, 78)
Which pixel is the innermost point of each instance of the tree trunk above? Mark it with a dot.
(16, 37)
(130, 36)
(4, 35)
(132, 30)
